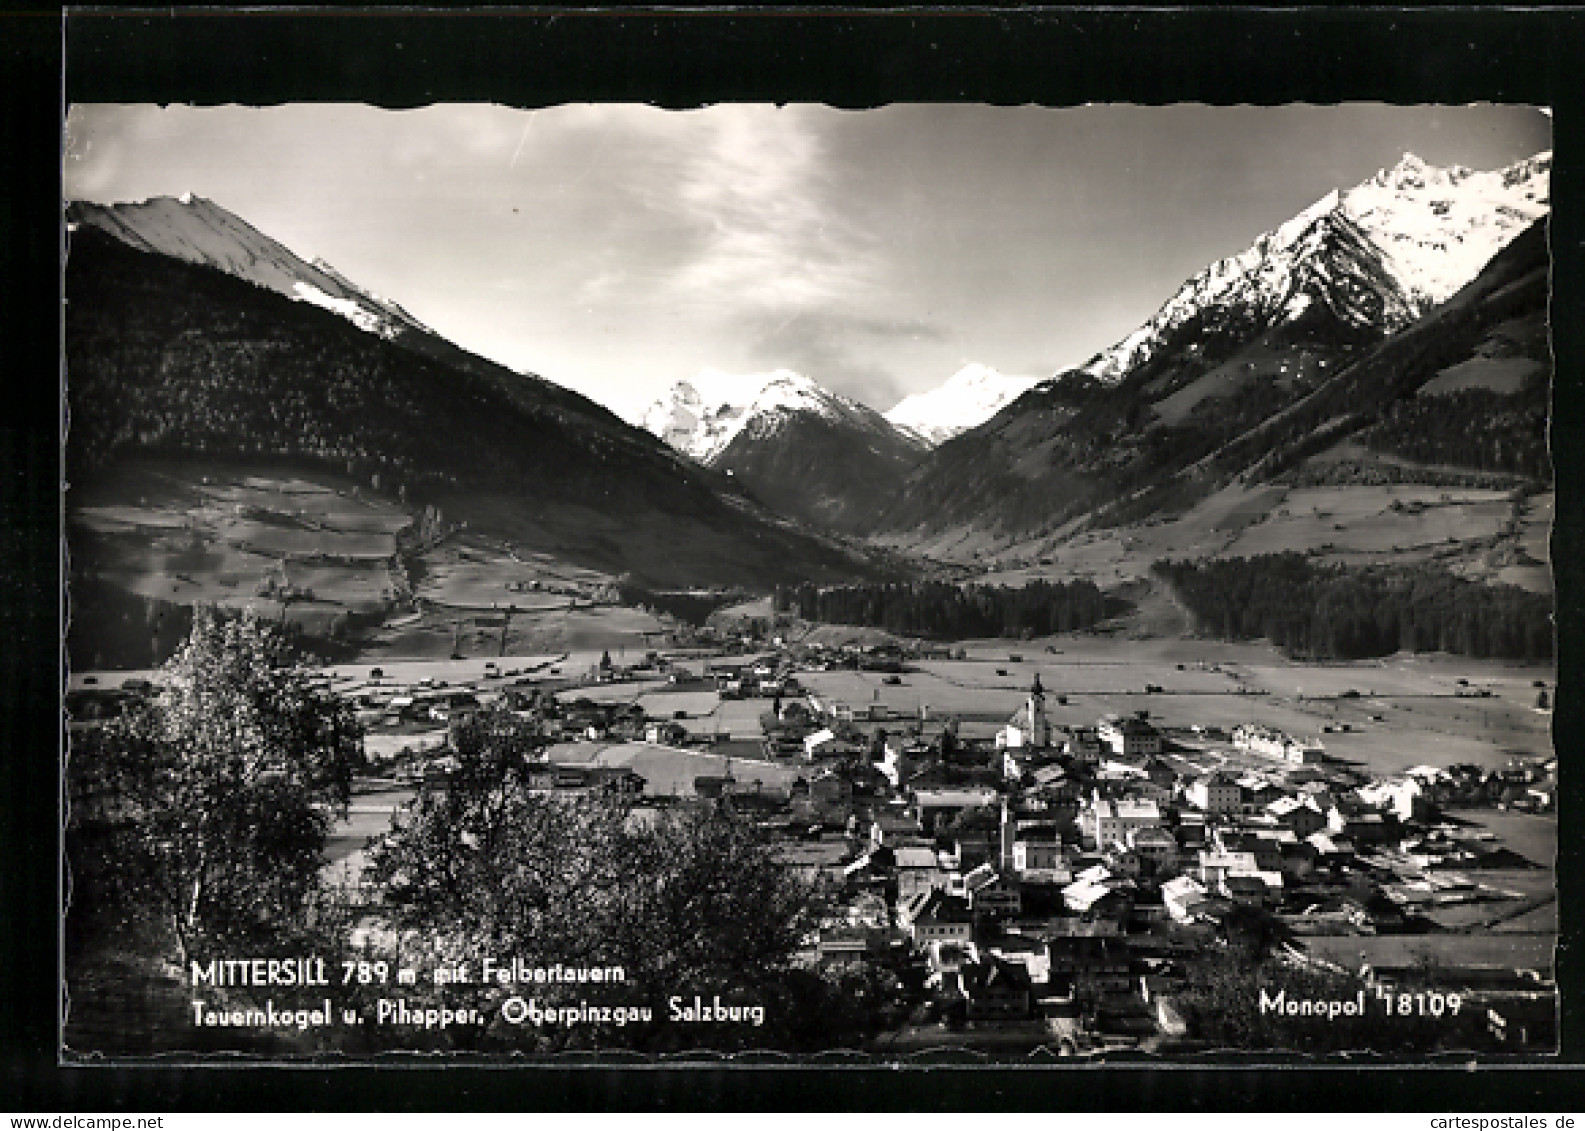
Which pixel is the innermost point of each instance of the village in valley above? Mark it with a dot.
(1042, 837)
(1186, 697)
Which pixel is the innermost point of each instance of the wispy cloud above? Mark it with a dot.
(757, 189)
(839, 349)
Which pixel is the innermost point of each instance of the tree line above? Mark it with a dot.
(1477, 428)
(1340, 612)
(944, 611)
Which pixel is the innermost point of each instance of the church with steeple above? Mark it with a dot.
(1029, 728)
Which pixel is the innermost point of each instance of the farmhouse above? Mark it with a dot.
(1185, 899)
(1038, 857)
(934, 916)
(995, 988)
(918, 871)
(933, 805)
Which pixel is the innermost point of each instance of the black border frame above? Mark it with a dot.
(682, 57)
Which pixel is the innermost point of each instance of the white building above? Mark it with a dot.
(1275, 744)
(814, 742)
(1401, 796)
(1090, 887)
(1111, 822)
(1214, 795)
(1041, 860)
(1129, 736)
(1182, 898)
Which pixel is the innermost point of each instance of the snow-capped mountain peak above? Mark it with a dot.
(969, 397)
(701, 415)
(1437, 227)
(1380, 254)
(196, 230)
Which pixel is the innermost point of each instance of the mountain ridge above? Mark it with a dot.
(200, 232)
(968, 398)
(170, 358)
(1428, 240)
(801, 449)
(1240, 343)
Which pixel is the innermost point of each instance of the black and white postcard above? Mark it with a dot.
(1004, 584)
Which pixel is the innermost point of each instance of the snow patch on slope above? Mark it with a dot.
(969, 397)
(359, 316)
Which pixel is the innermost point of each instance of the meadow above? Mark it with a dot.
(1355, 525)
(191, 533)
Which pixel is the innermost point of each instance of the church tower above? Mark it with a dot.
(1039, 728)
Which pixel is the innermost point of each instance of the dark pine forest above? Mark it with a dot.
(943, 611)
(1326, 612)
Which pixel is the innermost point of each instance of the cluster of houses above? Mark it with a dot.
(1061, 877)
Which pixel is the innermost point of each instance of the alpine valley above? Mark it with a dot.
(1388, 341)
(1075, 715)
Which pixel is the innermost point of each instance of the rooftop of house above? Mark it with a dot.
(937, 906)
(1128, 724)
(913, 856)
(992, 974)
(1127, 809)
(1182, 886)
(1233, 861)
(954, 798)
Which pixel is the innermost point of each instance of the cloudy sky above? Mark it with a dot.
(616, 249)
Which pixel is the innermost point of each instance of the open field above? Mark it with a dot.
(159, 535)
(587, 628)
(1409, 711)
(1499, 374)
(383, 747)
(761, 609)
(189, 533)
(669, 771)
(187, 570)
(1533, 836)
(1255, 362)
(739, 718)
(406, 673)
(472, 573)
(276, 536)
(1346, 521)
(627, 691)
(921, 689)
(664, 704)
